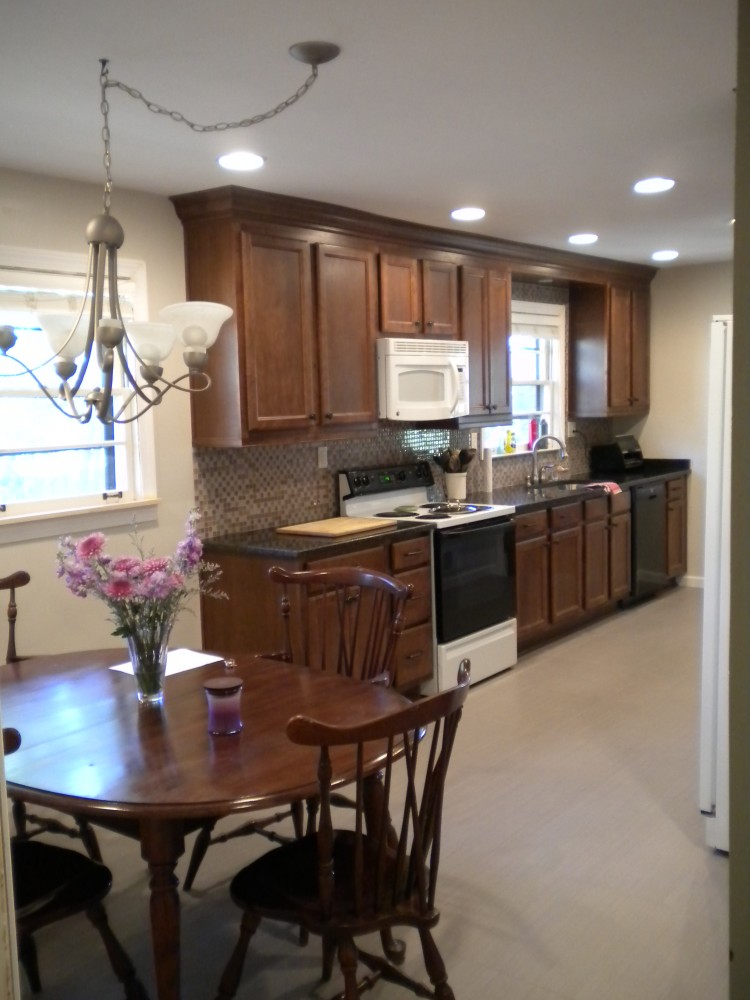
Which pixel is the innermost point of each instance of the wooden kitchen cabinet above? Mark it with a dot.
(485, 325)
(676, 527)
(249, 621)
(418, 296)
(347, 319)
(596, 553)
(566, 562)
(573, 563)
(532, 576)
(279, 346)
(608, 350)
(620, 546)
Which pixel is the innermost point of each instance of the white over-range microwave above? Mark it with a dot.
(421, 379)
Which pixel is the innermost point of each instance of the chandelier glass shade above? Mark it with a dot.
(131, 357)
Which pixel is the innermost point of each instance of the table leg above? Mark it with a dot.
(162, 844)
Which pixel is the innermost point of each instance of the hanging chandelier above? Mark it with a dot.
(98, 333)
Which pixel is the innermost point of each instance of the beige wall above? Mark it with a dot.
(51, 214)
(683, 301)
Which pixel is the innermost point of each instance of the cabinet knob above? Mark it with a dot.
(429, 322)
(328, 416)
(416, 324)
(311, 416)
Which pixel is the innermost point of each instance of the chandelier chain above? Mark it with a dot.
(107, 158)
(177, 116)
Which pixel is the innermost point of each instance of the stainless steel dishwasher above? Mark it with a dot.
(649, 513)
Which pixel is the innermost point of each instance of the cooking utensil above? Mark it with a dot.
(465, 456)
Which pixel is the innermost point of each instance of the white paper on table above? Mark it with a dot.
(177, 661)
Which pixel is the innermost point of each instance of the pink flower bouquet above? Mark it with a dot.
(144, 594)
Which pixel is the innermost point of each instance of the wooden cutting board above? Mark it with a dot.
(338, 527)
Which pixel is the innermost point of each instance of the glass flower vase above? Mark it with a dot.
(148, 647)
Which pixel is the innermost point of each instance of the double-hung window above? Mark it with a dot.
(537, 365)
(51, 464)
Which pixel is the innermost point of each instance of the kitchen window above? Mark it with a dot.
(537, 356)
(51, 465)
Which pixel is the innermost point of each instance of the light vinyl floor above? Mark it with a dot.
(573, 863)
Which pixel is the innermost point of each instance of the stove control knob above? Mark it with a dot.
(401, 475)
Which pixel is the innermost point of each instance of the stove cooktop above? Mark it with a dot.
(402, 492)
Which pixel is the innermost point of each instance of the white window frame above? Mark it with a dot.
(552, 319)
(70, 515)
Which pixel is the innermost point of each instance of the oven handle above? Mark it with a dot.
(462, 529)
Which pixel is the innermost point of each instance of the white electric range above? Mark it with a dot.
(472, 564)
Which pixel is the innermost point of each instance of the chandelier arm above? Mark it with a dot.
(177, 116)
(64, 391)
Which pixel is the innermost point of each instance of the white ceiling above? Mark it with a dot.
(544, 112)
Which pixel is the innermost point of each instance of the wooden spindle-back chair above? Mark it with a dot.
(380, 871)
(29, 824)
(344, 620)
(53, 883)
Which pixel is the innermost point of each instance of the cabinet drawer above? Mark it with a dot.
(414, 657)
(419, 606)
(566, 516)
(676, 489)
(364, 559)
(531, 525)
(596, 510)
(410, 553)
(619, 503)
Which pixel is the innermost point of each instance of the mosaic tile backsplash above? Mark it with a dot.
(244, 489)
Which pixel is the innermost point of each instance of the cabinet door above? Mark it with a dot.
(346, 334)
(566, 574)
(498, 331)
(280, 362)
(485, 324)
(400, 295)
(676, 528)
(532, 587)
(474, 299)
(639, 345)
(619, 355)
(619, 556)
(440, 298)
(596, 564)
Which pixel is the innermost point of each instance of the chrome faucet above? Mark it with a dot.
(536, 473)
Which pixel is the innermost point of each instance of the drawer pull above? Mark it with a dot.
(415, 656)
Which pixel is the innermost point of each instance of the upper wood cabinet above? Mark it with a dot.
(277, 331)
(418, 297)
(609, 350)
(312, 285)
(485, 324)
(347, 308)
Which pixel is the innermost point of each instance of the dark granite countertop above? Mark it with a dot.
(526, 500)
(268, 542)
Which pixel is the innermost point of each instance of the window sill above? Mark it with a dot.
(27, 527)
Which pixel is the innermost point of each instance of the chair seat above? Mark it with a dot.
(47, 878)
(284, 881)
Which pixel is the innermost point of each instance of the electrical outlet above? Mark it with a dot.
(570, 428)
(322, 457)
(474, 438)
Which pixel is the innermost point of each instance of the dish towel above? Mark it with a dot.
(607, 487)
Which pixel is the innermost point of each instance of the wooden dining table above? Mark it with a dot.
(156, 774)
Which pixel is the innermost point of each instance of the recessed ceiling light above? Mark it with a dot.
(241, 160)
(581, 239)
(653, 185)
(467, 214)
(665, 254)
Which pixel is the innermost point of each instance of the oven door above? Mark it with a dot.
(474, 578)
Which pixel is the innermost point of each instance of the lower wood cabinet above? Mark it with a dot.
(572, 563)
(677, 526)
(250, 621)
